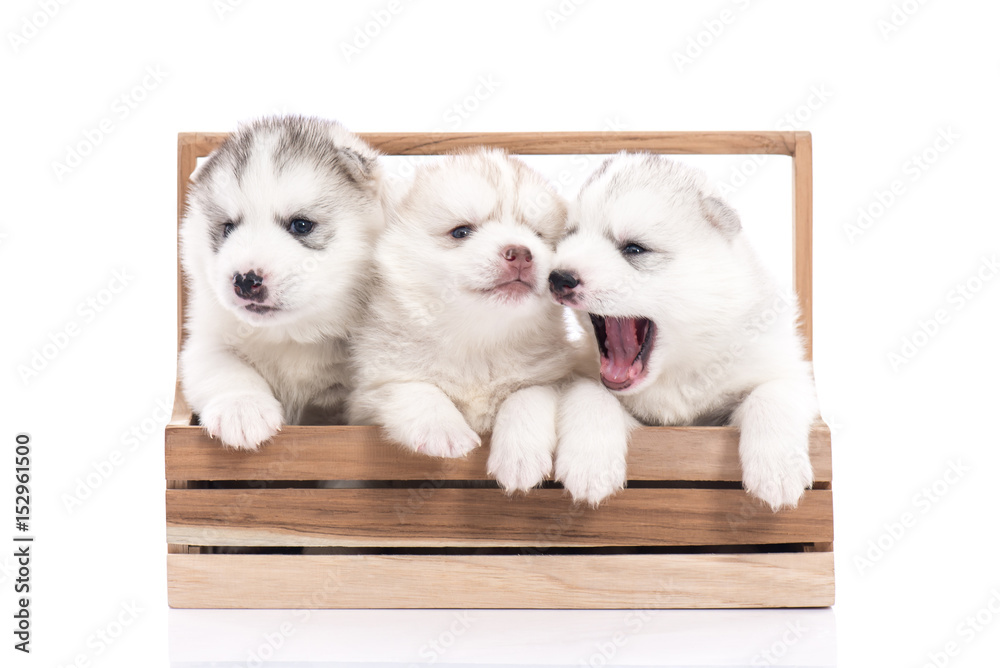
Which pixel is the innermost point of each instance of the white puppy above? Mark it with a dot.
(691, 329)
(276, 246)
(462, 337)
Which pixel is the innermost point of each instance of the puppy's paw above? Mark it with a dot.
(518, 463)
(449, 437)
(591, 474)
(777, 476)
(242, 421)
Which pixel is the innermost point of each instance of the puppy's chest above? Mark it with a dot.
(688, 401)
(300, 369)
(480, 387)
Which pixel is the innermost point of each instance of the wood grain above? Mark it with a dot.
(556, 143)
(802, 199)
(489, 581)
(361, 453)
(432, 516)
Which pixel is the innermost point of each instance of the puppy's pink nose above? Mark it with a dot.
(519, 256)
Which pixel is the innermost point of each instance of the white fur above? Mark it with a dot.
(246, 374)
(442, 359)
(726, 347)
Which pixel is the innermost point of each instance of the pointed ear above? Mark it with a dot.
(721, 216)
(359, 168)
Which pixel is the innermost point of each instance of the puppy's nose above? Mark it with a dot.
(520, 256)
(561, 282)
(247, 286)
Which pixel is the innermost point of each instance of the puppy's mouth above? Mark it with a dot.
(512, 289)
(260, 308)
(625, 345)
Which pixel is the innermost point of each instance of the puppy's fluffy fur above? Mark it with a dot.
(462, 337)
(276, 246)
(690, 327)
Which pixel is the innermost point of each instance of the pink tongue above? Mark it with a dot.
(623, 346)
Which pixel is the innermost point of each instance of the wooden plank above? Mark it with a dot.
(461, 517)
(361, 453)
(557, 143)
(489, 581)
(803, 233)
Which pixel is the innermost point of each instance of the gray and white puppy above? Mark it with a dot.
(690, 327)
(276, 245)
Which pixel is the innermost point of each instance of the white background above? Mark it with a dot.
(886, 96)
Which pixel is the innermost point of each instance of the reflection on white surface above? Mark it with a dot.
(796, 637)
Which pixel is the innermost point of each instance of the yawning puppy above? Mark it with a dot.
(462, 337)
(690, 328)
(276, 245)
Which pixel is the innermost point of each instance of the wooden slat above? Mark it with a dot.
(489, 581)
(462, 517)
(803, 233)
(360, 453)
(556, 143)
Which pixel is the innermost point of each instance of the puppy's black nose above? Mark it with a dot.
(247, 286)
(562, 281)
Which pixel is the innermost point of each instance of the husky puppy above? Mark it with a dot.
(276, 245)
(462, 337)
(691, 329)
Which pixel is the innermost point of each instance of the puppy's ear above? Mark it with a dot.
(359, 168)
(721, 216)
(201, 166)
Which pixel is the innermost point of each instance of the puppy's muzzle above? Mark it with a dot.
(562, 283)
(249, 286)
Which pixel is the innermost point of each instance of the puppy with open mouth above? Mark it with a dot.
(689, 327)
(276, 246)
(462, 338)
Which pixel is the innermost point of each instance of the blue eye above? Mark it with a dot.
(633, 249)
(300, 226)
(461, 232)
(228, 228)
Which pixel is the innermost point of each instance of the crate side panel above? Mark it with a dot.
(361, 453)
(559, 581)
(455, 517)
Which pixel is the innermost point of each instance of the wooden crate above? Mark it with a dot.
(433, 533)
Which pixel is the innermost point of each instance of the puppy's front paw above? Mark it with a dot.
(591, 474)
(519, 462)
(444, 438)
(242, 421)
(777, 476)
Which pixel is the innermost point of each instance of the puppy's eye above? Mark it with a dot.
(633, 249)
(228, 228)
(461, 232)
(300, 226)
